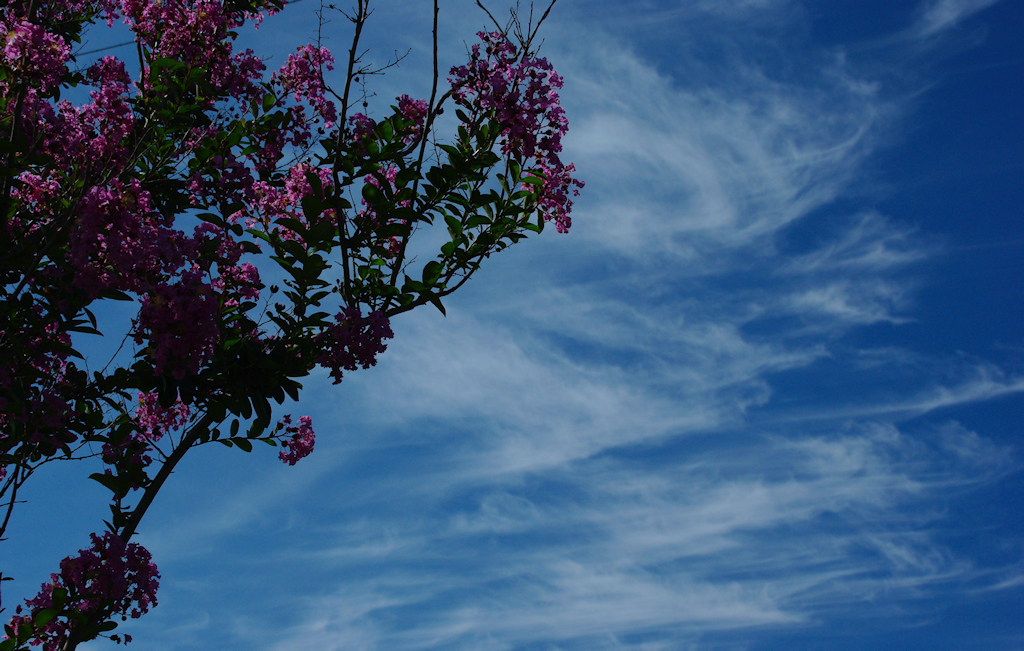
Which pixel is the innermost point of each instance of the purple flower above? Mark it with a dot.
(108, 578)
(180, 322)
(301, 442)
(522, 94)
(353, 341)
(415, 111)
(302, 75)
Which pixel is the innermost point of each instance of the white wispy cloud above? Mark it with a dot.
(706, 543)
(724, 165)
(940, 15)
(869, 244)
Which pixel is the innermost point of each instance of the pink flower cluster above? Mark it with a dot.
(89, 138)
(35, 193)
(188, 31)
(274, 202)
(108, 578)
(229, 180)
(360, 127)
(521, 93)
(154, 421)
(119, 241)
(44, 403)
(373, 220)
(553, 196)
(301, 440)
(415, 111)
(32, 53)
(353, 341)
(196, 33)
(303, 76)
(180, 321)
(106, 122)
(233, 281)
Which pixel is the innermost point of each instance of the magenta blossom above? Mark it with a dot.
(354, 341)
(522, 94)
(155, 420)
(302, 75)
(301, 440)
(108, 578)
(33, 54)
(180, 322)
(415, 111)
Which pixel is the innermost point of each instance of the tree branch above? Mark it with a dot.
(187, 441)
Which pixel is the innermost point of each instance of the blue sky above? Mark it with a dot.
(766, 394)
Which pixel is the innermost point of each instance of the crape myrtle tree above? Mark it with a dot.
(172, 188)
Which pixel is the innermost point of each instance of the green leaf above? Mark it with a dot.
(235, 136)
(291, 224)
(411, 285)
(187, 391)
(85, 330)
(258, 234)
(436, 177)
(285, 263)
(44, 617)
(315, 183)
(59, 597)
(217, 411)
(262, 407)
(277, 393)
(115, 295)
(292, 388)
(431, 272)
(110, 482)
(435, 300)
(244, 410)
(452, 152)
(371, 193)
(322, 233)
(312, 206)
(406, 176)
(293, 247)
(461, 200)
(257, 428)
(454, 225)
(54, 346)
